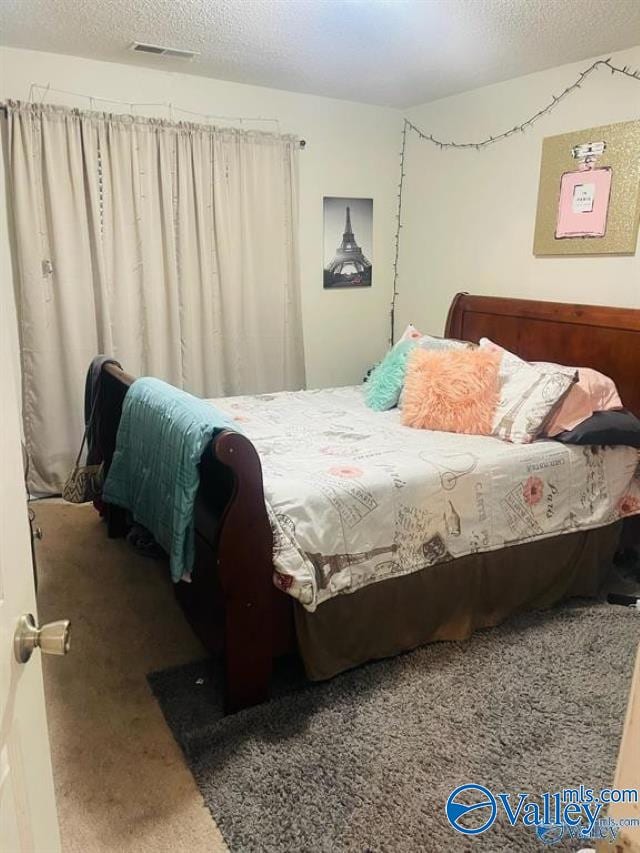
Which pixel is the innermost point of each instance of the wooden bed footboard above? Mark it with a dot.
(231, 602)
(245, 569)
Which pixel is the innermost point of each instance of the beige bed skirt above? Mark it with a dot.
(448, 601)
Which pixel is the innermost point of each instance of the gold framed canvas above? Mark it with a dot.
(589, 192)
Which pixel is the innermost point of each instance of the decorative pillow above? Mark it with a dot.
(452, 391)
(605, 428)
(384, 383)
(593, 392)
(528, 395)
(430, 342)
(410, 334)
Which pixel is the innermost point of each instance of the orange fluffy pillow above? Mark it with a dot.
(452, 391)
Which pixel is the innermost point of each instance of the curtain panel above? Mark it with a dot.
(171, 247)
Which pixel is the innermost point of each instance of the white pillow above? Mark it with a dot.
(430, 342)
(410, 334)
(529, 393)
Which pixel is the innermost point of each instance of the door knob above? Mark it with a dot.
(53, 638)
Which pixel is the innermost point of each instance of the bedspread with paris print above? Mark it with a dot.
(355, 497)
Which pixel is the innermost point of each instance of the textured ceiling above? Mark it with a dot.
(389, 52)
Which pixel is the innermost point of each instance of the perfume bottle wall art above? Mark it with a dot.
(585, 191)
(589, 192)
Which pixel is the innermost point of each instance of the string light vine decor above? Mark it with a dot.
(409, 127)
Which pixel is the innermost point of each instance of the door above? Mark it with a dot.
(28, 822)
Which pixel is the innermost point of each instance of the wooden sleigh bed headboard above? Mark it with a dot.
(606, 339)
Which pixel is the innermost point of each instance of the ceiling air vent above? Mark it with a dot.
(141, 47)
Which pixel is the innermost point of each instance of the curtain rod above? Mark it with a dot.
(302, 143)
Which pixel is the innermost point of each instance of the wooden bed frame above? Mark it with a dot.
(232, 603)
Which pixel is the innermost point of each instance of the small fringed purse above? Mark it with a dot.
(85, 482)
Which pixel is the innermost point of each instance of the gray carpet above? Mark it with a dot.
(365, 762)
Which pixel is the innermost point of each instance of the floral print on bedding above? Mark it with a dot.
(355, 497)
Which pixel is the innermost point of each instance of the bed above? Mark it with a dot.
(340, 606)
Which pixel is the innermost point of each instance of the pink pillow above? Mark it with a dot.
(451, 390)
(593, 392)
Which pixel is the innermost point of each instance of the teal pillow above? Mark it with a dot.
(383, 387)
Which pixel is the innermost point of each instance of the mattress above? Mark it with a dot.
(356, 498)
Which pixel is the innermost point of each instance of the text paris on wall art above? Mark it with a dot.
(589, 194)
(348, 242)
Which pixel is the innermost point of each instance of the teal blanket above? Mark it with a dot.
(162, 435)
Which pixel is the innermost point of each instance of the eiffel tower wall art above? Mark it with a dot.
(348, 232)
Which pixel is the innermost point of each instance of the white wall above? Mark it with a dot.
(469, 216)
(351, 151)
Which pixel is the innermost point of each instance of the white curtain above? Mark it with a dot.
(170, 247)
